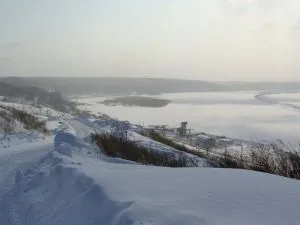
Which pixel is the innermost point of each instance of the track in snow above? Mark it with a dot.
(81, 129)
(24, 156)
(11, 163)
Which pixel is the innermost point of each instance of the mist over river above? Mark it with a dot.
(246, 115)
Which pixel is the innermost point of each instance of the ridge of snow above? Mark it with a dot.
(89, 190)
(103, 126)
(75, 184)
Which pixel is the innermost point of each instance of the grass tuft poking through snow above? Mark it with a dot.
(159, 138)
(9, 116)
(268, 159)
(129, 150)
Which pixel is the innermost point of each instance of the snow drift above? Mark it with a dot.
(54, 192)
(87, 190)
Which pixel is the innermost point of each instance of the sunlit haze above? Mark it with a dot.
(245, 40)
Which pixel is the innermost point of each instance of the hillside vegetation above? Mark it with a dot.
(137, 101)
(114, 85)
(37, 96)
(13, 120)
(263, 158)
(129, 150)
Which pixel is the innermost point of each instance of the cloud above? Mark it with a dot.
(6, 50)
(267, 4)
(295, 31)
(14, 44)
(5, 59)
(11, 45)
(264, 4)
(235, 7)
(267, 27)
(239, 2)
(242, 7)
(296, 26)
(5, 63)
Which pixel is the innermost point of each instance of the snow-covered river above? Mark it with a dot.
(234, 114)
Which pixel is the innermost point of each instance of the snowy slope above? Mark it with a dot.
(98, 125)
(86, 190)
(197, 196)
(68, 183)
(42, 112)
(21, 138)
(11, 162)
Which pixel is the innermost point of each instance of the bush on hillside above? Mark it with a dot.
(129, 150)
(263, 158)
(159, 138)
(37, 96)
(9, 116)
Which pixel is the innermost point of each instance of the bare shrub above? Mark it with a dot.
(226, 160)
(159, 138)
(294, 165)
(124, 149)
(266, 158)
(9, 117)
(274, 158)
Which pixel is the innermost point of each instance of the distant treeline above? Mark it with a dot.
(115, 86)
(37, 96)
(125, 85)
(137, 101)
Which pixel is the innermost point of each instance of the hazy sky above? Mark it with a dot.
(195, 39)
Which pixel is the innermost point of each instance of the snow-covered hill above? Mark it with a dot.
(63, 180)
(19, 136)
(85, 189)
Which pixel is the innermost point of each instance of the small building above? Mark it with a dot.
(205, 142)
(182, 129)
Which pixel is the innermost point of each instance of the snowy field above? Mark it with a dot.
(85, 189)
(233, 114)
(64, 179)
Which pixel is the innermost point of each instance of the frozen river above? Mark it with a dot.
(233, 114)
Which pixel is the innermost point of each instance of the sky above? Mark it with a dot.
(245, 40)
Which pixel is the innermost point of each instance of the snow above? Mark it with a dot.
(41, 111)
(64, 179)
(62, 142)
(203, 137)
(90, 190)
(198, 196)
(87, 125)
(58, 125)
(21, 138)
(99, 126)
(82, 130)
(14, 142)
(16, 159)
(285, 97)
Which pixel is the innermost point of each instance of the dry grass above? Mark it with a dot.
(124, 149)
(272, 158)
(9, 116)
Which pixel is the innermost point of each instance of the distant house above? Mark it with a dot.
(182, 129)
(205, 142)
